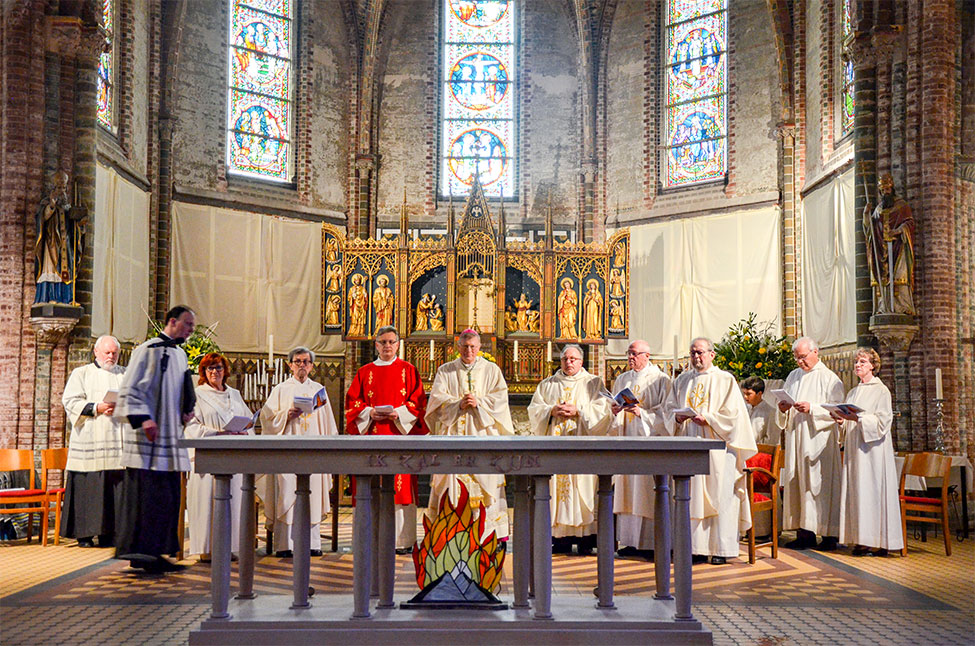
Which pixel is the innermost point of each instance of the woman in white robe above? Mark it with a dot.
(216, 405)
(870, 511)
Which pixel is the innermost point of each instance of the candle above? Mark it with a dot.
(270, 349)
(516, 352)
(548, 352)
(938, 392)
(431, 349)
(674, 369)
(402, 349)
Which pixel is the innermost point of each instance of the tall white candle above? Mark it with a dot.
(674, 370)
(402, 349)
(270, 349)
(431, 349)
(938, 392)
(548, 352)
(516, 352)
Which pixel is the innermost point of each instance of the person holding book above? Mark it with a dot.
(386, 398)
(297, 406)
(217, 406)
(870, 515)
(634, 499)
(706, 402)
(811, 470)
(94, 468)
(570, 403)
(762, 415)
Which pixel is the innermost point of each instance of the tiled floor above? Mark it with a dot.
(68, 595)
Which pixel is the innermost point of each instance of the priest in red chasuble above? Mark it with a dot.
(386, 398)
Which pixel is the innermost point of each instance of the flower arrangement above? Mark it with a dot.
(751, 349)
(456, 353)
(196, 347)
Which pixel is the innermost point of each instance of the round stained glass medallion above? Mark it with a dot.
(479, 13)
(477, 151)
(478, 81)
(261, 38)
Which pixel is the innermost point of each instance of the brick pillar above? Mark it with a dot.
(787, 135)
(588, 177)
(364, 223)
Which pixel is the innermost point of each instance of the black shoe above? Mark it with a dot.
(311, 591)
(860, 550)
(718, 560)
(284, 554)
(161, 566)
(699, 558)
(404, 550)
(584, 550)
(105, 541)
(561, 545)
(828, 544)
(314, 552)
(880, 551)
(627, 551)
(86, 542)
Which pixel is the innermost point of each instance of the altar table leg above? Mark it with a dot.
(543, 549)
(387, 542)
(604, 542)
(220, 567)
(362, 547)
(248, 530)
(662, 536)
(301, 531)
(376, 520)
(522, 543)
(682, 547)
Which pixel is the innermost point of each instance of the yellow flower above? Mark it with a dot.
(762, 351)
(758, 365)
(746, 337)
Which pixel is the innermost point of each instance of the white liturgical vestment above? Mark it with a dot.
(453, 380)
(719, 500)
(96, 440)
(573, 500)
(811, 469)
(870, 512)
(214, 409)
(634, 496)
(278, 493)
(765, 423)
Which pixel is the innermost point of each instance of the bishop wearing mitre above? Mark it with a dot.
(707, 403)
(569, 403)
(281, 416)
(386, 398)
(469, 397)
(634, 498)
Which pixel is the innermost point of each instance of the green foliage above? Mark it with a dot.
(750, 348)
(196, 347)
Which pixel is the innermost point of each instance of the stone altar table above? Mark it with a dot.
(665, 618)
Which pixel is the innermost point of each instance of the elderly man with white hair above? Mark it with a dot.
(634, 499)
(707, 403)
(94, 468)
(569, 403)
(812, 469)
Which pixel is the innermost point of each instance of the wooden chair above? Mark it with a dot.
(25, 501)
(926, 465)
(762, 479)
(54, 459)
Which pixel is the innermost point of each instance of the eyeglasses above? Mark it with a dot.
(630, 353)
(800, 357)
(697, 353)
(393, 342)
(301, 362)
(214, 368)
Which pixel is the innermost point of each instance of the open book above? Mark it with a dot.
(844, 410)
(782, 396)
(240, 423)
(386, 409)
(686, 412)
(111, 397)
(308, 405)
(624, 397)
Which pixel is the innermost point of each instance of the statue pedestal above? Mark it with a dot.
(897, 331)
(53, 321)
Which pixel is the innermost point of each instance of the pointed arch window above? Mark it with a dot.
(696, 94)
(478, 102)
(260, 93)
(106, 108)
(847, 97)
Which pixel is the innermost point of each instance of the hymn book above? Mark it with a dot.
(241, 423)
(625, 397)
(111, 397)
(308, 405)
(782, 396)
(843, 410)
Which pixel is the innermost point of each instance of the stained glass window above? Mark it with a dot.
(697, 91)
(261, 84)
(477, 133)
(105, 83)
(847, 99)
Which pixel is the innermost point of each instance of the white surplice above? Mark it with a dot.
(811, 469)
(719, 500)
(214, 409)
(634, 496)
(765, 423)
(484, 379)
(573, 496)
(278, 493)
(870, 512)
(96, 440)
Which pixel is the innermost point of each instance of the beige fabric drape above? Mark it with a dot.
(698, 276)
(828, 262)
(120, 287)
(252, 275)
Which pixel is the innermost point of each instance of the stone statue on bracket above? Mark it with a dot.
(889, 233)
(57, 247)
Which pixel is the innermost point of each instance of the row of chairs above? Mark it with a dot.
(34, 500)
(763, 473)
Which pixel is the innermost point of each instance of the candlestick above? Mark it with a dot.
(516, 352)
(938, 392)
(270, 349)
(548, 352)
(939, 430)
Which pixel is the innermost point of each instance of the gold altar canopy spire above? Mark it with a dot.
(477, 216)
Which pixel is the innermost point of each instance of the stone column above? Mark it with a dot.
(51, 323)
(896, 331)
(588, 176)
(364, 224)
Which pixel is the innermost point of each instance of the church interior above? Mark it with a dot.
(546, 172)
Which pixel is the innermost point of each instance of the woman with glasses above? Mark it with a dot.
(216, 405)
